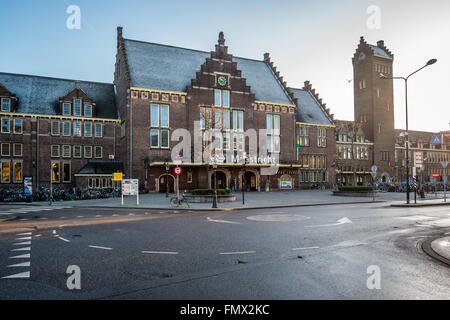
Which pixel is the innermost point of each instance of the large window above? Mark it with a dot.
(66, 128)
(98, 130)
(88, 152)
(66, 109)
(5, 125)
(303, 136)
(88, 110)
(322, 137)
(273, 132)
(77, 151)
(55, 151)
(17, 150)
(222, 98)
(159, 118)
(6, 105)
(66, 172)
(238, 120)
(55, 171)
(5, 149)
(5, 172)
(66, 151)
(55, 128)
(88, 129)
(98, 152)
(18, 123)
(77, 129)
(17, 174)
(77, 107)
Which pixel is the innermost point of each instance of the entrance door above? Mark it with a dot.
(162, 183)
(250, 181)
(221, 180)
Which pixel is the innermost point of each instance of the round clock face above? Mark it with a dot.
(362, 56)
(222, 81)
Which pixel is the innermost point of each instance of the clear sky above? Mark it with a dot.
(307, 40)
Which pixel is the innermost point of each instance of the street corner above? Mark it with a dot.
(438, 248)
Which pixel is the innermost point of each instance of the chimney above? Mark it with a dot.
(77, 84)
(266, 57)
(380, 44)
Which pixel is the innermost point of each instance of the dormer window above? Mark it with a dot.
(77, 107)
(66, 109)
(88, 110)
(6, 105)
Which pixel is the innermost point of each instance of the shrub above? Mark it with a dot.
(209, 192)
(355, 188)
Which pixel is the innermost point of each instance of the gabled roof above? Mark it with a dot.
(162, 67)
(309, 109)
(40, 95)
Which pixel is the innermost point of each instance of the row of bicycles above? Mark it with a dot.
(57, 194)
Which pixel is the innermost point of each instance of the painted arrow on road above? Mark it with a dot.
(343, 220)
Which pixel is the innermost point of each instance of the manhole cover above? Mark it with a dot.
(278, 217)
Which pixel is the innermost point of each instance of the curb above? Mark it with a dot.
(233, 209)
(412, 205)
(426, 247)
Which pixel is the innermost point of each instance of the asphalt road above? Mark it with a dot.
(317, 252)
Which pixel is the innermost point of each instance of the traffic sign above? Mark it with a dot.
(436, 140)
(374, 168)
(177, 170)
(117, 176)
(435, 175)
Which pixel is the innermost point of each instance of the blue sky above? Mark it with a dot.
(307, 40)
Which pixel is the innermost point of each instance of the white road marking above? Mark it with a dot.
(63, 225)
(416, 217)
(44, 218)
(99, 215)
(344, 220)
(80, 217)
(19, 276)
(54, 231)
(23, 264)
(96, 247)
(131, 214)
(26, 243)
(22, 249)
(24, 234)
(160, 252)
(222, 221)
(241, 252)
(278, 217)
(24, 238)
(306, 248)
(38, 235)
(61, 238)
(22, 256)
(115, 215)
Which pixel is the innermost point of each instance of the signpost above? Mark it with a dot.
(444, 165)
(177, 172)
(130, 187)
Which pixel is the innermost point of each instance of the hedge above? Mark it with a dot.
(209, 192)
(355, 188)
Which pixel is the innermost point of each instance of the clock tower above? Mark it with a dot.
(374, 101)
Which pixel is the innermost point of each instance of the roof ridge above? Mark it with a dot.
(52, 78)
(190, 49)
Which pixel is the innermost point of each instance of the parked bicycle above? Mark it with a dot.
(179, 201)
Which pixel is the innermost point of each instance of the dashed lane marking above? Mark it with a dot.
(159, 252)
(63, 239)
(306, 248)
(239, 252)
(222, 221)
(97, 247)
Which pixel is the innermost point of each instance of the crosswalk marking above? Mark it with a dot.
(24, 210)
(22, 249)
(26, 243)
(23, 264)
(22, 256)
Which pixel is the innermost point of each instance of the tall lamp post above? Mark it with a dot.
(244, 158)
(167, 178)
(382, 76)
(214, 205)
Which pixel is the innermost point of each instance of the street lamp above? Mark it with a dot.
(382, 76)
(244, 158)
(167, 178)
(214, 205)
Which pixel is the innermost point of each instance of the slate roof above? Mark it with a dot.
(40, 95)
(309, 109)
(101, 167)
(162, 67)
(379, 52)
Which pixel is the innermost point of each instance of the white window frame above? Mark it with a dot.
(9, 104)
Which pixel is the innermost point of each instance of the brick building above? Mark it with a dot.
(232, 120)
(56, 127)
